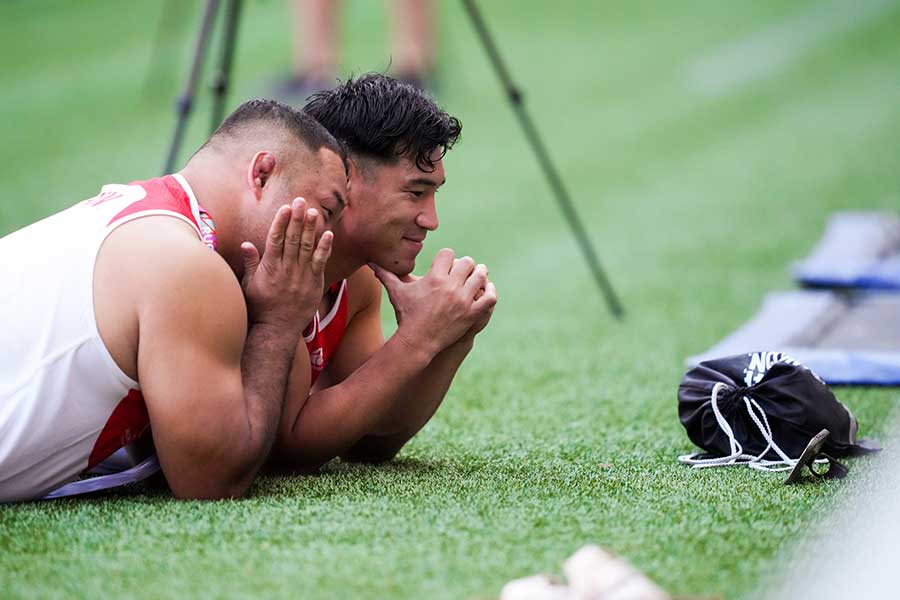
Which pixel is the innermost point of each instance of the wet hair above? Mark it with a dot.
(299, 125)
(381, 118)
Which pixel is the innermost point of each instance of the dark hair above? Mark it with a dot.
(383, 118)
(300, 125)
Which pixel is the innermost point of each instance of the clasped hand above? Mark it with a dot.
(454, 300)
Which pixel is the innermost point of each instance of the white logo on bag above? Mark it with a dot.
(760, 362)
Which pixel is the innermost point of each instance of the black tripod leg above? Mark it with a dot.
(568, 209)
(223, 74)
(168, 27)
(186, 101)
(553, 178)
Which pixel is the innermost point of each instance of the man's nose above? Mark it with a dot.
(427, 218)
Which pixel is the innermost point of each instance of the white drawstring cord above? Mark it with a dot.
(765, 465)
(737, 456)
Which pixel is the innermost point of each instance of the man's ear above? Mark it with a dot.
(351, 174)
(262, 165)
(356, 172)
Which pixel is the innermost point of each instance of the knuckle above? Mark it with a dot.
(266, 268)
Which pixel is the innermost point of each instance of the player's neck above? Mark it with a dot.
(341, 265)
(345, 259)
(207, 183)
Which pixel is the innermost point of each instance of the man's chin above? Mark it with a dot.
(404, 270)
(400, 266)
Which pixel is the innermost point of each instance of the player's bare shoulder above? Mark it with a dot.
(157, 263)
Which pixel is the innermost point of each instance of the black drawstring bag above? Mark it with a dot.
(762, 409)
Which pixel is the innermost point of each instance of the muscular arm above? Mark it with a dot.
(376, 396)
(213, 413)
(413, 407)
(214, 389)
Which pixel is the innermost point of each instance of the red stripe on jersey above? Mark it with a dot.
(163, 193)
(128, 421)
(327, 338)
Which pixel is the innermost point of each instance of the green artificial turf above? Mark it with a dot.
(561, 428)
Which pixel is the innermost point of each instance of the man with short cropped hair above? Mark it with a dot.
(149, 306)
(353, 394)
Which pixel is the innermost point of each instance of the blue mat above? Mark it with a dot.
(845, 338)
(858, 250)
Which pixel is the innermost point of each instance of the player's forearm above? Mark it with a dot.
(227, 448)
(420, 399)
(413, 409)
(334, 419)
(265, 366)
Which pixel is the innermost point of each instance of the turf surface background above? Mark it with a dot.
(561, 427)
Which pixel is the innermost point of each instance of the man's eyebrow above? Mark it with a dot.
(426, 181)
(340, 199)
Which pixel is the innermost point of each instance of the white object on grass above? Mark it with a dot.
(852, 551)
(536, 587)
(595, 574)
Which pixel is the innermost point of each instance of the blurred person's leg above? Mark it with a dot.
(315, 50)
(414, 39)
(315, 40)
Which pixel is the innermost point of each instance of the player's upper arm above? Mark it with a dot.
(364, 335)
(192, 326)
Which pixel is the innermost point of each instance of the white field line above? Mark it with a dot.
(765, 52)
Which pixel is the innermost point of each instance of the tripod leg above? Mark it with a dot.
(168, 28)
(543, 158)
(186, 101)
(223, 74)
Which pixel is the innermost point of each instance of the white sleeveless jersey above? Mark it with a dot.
(64, 403)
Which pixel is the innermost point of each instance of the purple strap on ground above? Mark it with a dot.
(139, 472)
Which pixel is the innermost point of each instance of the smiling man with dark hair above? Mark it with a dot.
(352, 393)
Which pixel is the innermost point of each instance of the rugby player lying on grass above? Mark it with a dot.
(117, 316)
(351, 393)
(123, 320)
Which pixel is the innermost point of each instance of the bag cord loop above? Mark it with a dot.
(738, 457)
